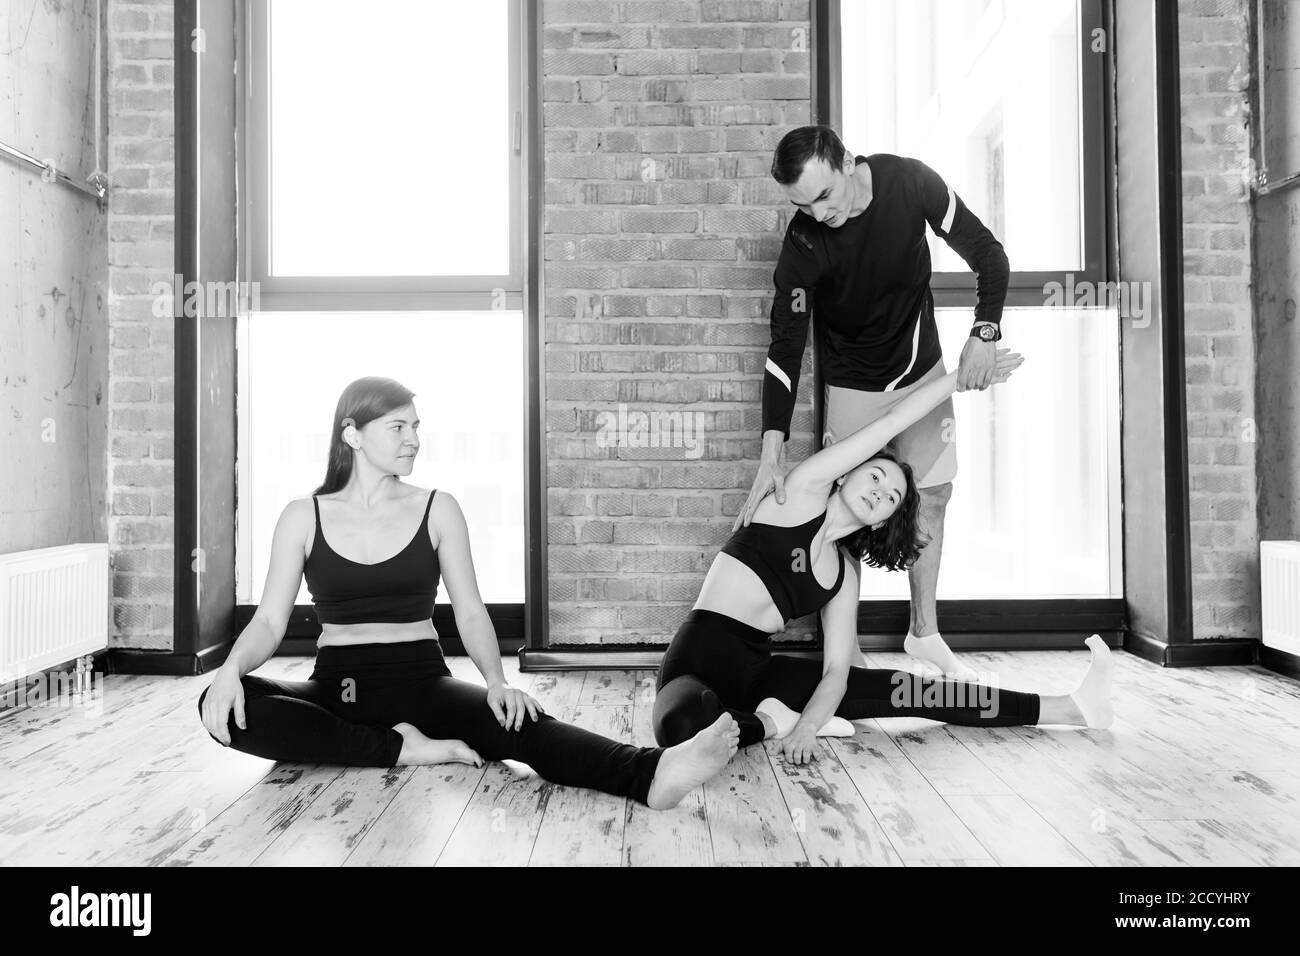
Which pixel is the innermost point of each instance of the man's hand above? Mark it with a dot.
(510, 705)
(771, 476)
(800, 745)
(977, 366)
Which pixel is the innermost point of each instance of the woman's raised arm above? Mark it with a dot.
(827, 465)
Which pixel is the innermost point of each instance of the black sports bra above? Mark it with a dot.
(782, 558)
(398, 590)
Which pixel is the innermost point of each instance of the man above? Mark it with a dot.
(856, 253)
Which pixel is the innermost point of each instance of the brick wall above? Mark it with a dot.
(662, 227)
(1215, 53)
(140, 394)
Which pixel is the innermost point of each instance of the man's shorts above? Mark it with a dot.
(929, 446)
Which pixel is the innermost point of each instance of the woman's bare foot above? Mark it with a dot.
(1093, 695)
(419, 750)
(684, 767)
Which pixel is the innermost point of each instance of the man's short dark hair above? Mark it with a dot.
(800, 145)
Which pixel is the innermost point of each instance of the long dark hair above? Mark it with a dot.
(800, 145)
(361, 403)
(898, 542)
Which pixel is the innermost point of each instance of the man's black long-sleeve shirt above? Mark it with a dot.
(869, 281)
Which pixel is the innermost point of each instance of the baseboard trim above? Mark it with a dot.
(1282, 662)
(210, 658)
(126, 660)
(598, 658)
(977, 641)
(1228, 652)
(647, 656)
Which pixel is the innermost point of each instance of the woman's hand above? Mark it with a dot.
(800, 745)
(982, 365)
(225, 694)
(1007, 362)
(510, 704)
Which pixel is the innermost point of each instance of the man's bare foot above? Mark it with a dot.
(684, 767)
(419, 750)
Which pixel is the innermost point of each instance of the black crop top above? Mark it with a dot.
(781, 557)
(398, 590)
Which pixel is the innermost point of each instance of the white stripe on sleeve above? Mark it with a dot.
(780, 375)
(951, 214)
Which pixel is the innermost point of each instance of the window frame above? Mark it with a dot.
(516, 625)
(983, 623)
(1025, 287)
(378, 293)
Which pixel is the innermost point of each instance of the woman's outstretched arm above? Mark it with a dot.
(830, 463)
(472, 621)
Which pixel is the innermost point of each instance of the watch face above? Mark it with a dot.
(987, 333)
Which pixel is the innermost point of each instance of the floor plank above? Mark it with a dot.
(583, 827)
(244, 830)
(830, 816)
(677, 837)
(747, 813)
(416, 825)
(1013, 833)
(331, 828)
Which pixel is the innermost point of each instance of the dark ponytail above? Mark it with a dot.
(361, 403)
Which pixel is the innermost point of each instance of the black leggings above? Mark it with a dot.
(345, 712)
(718, 665)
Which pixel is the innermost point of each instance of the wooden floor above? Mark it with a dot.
(1200, 768)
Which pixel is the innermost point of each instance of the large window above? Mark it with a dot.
(1004, 99)
(384, 157)
(1035, 505)
(293, 365)
(988, 94)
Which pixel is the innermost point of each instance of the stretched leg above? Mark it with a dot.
(569, 755)
(686, 705)
(706, 672)
(882, 692)
(300, 721)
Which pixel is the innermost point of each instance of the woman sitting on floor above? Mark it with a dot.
(381, 694)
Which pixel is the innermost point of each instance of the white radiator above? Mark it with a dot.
(1279, 580)
(54, 607)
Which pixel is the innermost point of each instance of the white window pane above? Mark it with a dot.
(467, 372)
(985, 92)
(390, 138)
(1035, 504)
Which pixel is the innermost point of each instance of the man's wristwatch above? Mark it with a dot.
(987, 332)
